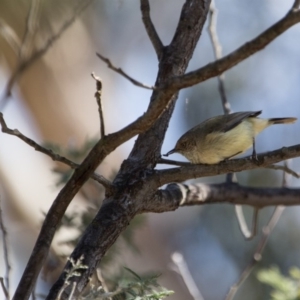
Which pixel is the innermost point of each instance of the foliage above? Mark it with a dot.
(284, 287)
(133, 287)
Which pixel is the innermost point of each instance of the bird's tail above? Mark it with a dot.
(282, 120)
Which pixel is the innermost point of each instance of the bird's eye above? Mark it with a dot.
(183, 145)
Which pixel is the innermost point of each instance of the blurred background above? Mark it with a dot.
(53, 102)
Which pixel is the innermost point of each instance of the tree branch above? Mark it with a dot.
(131, 189)
(176, 195)
(220, 66)
(136, 182)
(184, 272)
(234, 165)
(153, 36)
(106, 145)
(121, 72)
(296, 5)
(266, 231)
(55, 157)
(285, 169)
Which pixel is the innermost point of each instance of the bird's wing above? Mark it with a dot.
(233, 120)
(222, 123)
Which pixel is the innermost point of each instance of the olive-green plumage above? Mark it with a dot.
(223, 137)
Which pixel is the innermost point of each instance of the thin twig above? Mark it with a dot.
(5, 253)
(102, 282)
(24, 65)
(243, 224)
(8, 34)
(284, 168)
(66, 284)
(33, 295)
(98, 99)
(152, 33)
(4, 288)
(72, 291)
(212, 29)
(30, 31)
(120, 71)
(218, 54)
(266, 231)
(187, 277)
(55, 157)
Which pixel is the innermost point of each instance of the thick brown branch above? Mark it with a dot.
(220, 66)
(105, 146)
(153, 36)
(129, 180)
(177, 194)
(235, 165)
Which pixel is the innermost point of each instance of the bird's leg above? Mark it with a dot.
(254, 155)
(227, 158)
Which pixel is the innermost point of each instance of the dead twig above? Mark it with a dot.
(5, 286)
(212, 29)
(285, 169)
(30, 31)
(98, 99)
(152, 33)
(266, 231)
(183, 270)
(55, 157)
(121, 72)
(10, 36)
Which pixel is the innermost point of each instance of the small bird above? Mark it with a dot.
(223, 137)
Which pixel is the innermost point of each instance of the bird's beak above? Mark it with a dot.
(170, 152)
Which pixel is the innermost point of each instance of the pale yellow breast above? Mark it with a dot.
(218, 146)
